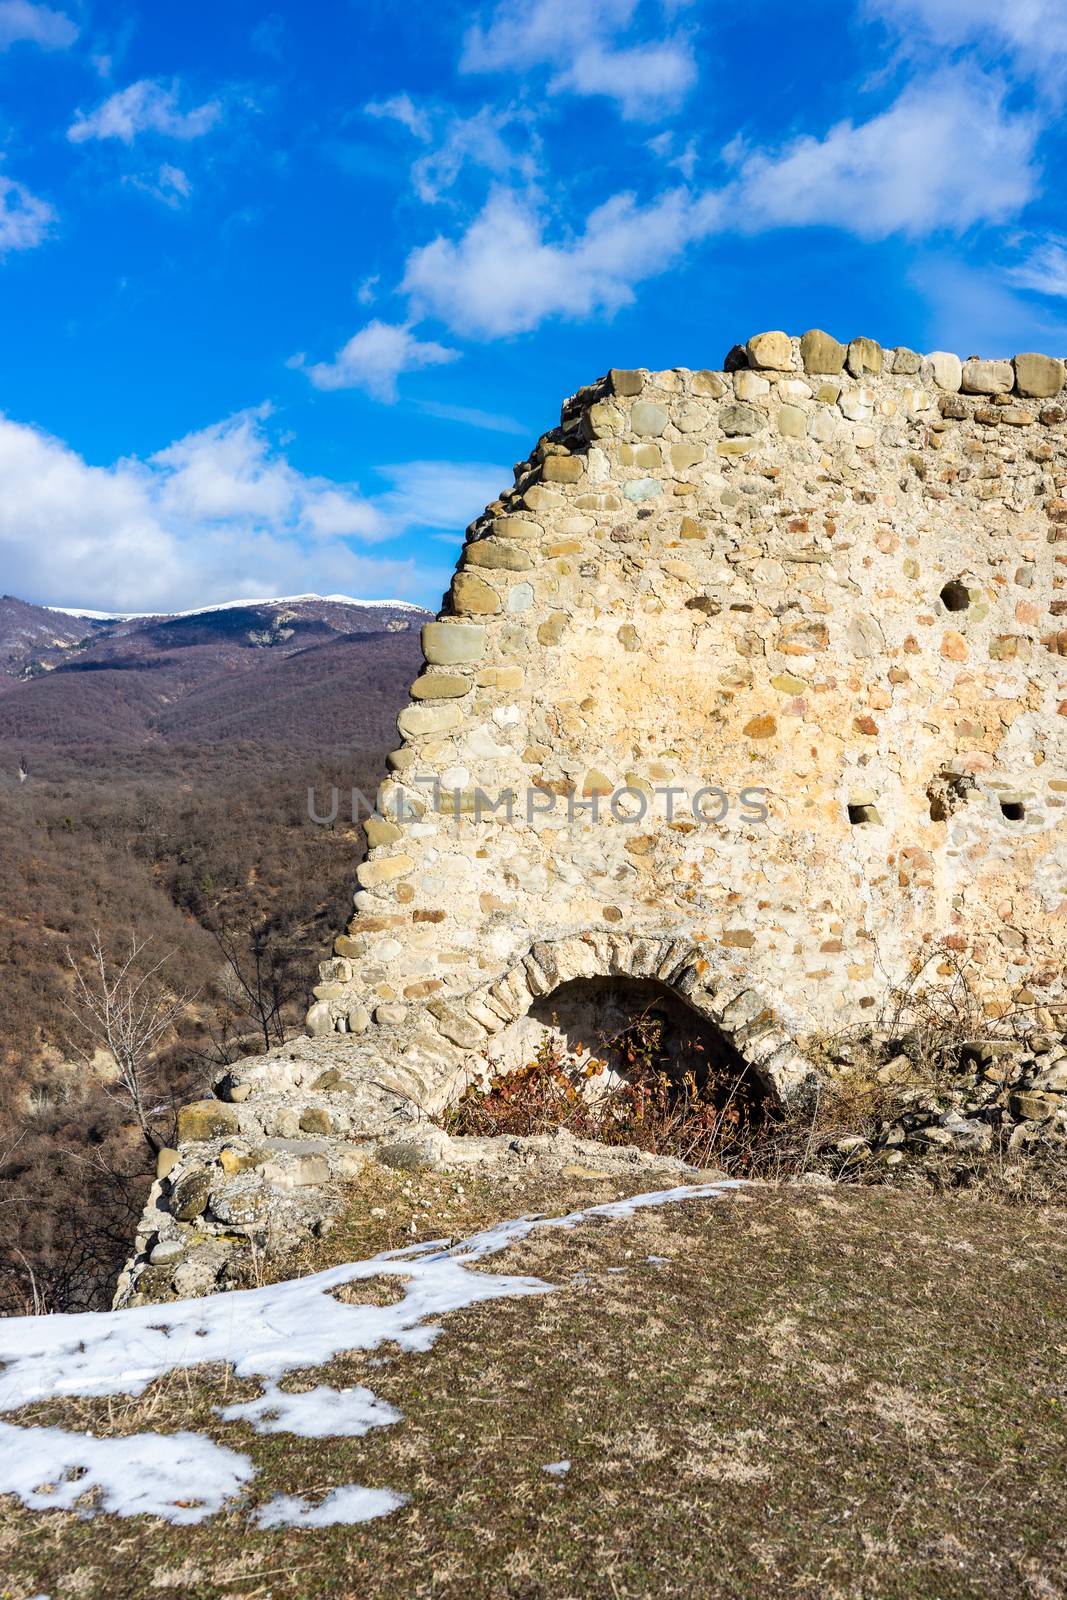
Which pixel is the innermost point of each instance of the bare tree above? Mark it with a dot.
(123, 1007)
(261, 982)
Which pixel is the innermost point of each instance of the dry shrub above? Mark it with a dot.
(690, 1108)
(944, 1004)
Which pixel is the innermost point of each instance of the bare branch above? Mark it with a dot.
(123, 1009)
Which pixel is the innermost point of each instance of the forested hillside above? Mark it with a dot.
(159, 793)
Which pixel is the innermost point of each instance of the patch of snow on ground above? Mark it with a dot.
(318, 1414)
(182, 1477)
(262, 1333)
(557, 1469)
(349, 1504)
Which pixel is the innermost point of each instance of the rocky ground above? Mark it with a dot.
(996, 1103)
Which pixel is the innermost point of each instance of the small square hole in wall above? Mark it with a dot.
(858, 814)
(1013, 810)
(955, 596)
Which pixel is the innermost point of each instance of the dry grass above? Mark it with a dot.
(841, 1392)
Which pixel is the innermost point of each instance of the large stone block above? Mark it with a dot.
(647, 419)
(518, 528)
(749, 385)
(379, 832)
(821, 352)
(472, 596)
(440, 686)
(319, 1021)
(947, 370)
(447, 644)
(865, 358)
(189, 1195)
(371, 874)
(906, 363)
(416, 722)
(1038, 377)
(562, 469)
(708, 383)
(626, 382)
(774, 350)
(741, 419)
(988, 377)
(498, 557)
(793, 422)
(206, 1119)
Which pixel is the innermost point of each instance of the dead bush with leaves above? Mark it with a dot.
(641, 1087)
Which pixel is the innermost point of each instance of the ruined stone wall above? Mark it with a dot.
(836, 574)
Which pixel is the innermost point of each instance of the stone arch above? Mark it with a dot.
(738, 1013)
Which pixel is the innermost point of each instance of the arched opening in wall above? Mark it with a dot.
(621, 1060)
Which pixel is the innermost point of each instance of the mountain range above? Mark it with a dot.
(307, 669)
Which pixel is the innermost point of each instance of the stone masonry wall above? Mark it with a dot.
(834, 573)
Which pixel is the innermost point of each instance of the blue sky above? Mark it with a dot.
(285, 292)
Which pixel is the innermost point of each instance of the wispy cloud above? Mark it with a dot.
(1034, 32)
(452, 143)
(471, 416)
(374, 358)
(440, 494)
(949, 153)
(969, 307)
(25, 219)
(23, 22)
(587, 52)
(170, 185)
(1045, 269)
(478, 141)
(401, 108)
(147, 106)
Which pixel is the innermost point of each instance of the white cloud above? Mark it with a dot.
(218, 515)
(21, 21)
(502, 277)
(946, 155)
(1034, 31)
(401, 108)
(645, 77)
(1045, 269)
(144, 107)
(375, 357)
(25, 219)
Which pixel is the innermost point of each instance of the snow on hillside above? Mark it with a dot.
(232, 605)
(262, 1333)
